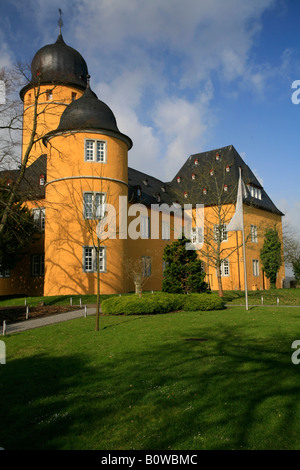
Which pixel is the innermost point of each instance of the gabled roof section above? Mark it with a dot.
(212, 176)
(147, 190)
(30, 187)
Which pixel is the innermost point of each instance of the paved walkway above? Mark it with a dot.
(49, 320)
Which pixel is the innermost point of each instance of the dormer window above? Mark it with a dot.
(163, 189)
(227, 169)
(145, 181)
(8, 182)
(178, 179)
(49, 95)
(193, 176)
(42, 180)
(254, 191)
(196, 161)
(74, 96)
(158, 198)
(185, 194)
(225, 187)
(211, 172)
(204, 191)
(218, 156)
(139, 192)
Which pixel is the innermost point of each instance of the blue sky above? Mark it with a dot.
(184, 76)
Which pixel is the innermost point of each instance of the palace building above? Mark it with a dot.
(78, 167)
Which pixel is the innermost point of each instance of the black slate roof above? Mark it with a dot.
(218, 161)
(145, 189)
(30, 187)
(58, 63)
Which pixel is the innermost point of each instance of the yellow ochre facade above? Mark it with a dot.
(79, 165)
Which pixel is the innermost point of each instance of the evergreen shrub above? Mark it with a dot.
(157, 303)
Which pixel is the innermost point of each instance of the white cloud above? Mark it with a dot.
(148, 61)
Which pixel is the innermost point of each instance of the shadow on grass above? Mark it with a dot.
(227, 392)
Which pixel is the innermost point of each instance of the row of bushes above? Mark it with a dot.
(160, 303)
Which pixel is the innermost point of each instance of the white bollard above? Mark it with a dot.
(27, 312)
(71, 301)
(80, 302)
(277, 300)
(262, 300)
(4, 328)
(85, 311)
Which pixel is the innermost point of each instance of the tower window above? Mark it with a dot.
(90, 259)
(93, 205)
(95, 151)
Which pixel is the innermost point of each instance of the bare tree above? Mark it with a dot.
(11, 127)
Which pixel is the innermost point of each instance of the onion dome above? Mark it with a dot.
(58, 63)
(88, 113)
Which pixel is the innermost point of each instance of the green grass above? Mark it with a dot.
(178, 381)
(270, 296)
(51, 300)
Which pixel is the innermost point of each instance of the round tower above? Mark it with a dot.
(87, 174)
(58, 77)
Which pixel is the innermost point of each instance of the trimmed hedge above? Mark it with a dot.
(160, 303)
(203, 302)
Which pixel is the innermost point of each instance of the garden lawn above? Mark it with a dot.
(178, 381)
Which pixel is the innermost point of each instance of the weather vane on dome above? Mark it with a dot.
(60, 21)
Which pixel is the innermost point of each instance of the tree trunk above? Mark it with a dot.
(98, 289)
(219, 277)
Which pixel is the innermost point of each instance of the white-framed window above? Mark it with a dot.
(95, 151)
(146, 266)
(90, 259)
(39, 217)
(196, 235)
(253, 233)
(38, 265)
(220, 233)
(93, 205)
(145, 226)
(165, 230)
(225, 268)
(4, 272)
(255, 266)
